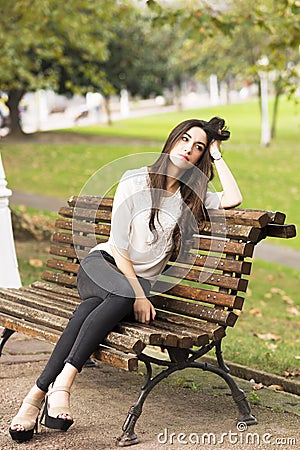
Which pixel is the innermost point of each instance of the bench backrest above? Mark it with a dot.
(208, 285)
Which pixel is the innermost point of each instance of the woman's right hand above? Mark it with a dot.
(143, 309)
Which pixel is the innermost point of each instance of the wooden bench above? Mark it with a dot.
(192, 315)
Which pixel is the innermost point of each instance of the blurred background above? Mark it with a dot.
(94, 62)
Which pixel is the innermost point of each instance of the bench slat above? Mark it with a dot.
(182, 340)
(197, 310)
(142, 332)
(61, 264)
(281, 231)
(213, 331)
(240, 232)
(59, 278)
(82, 227)
(91, 201)
(68, 251)
(124, 343)
(274, 216)
(125, 361)
(57, 289)
(239, 216)
(197, 338)
(208, 278)
(203, 295)
(46, 300)
(52, 297)
(22, 311)
(218, 263)
(224, 246)
(103, 215)
(29, 328)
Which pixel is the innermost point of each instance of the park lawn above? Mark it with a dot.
(268, 177)
(272, 311)
(270, 308)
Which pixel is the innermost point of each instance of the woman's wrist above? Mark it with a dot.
(216, 154)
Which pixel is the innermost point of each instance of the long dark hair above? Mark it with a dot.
(193, 183)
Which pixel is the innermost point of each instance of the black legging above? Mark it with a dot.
(108, 298)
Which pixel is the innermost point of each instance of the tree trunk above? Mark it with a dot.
(14, 98)
(275, 112)
(107, 109)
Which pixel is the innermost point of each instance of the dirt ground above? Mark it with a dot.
(102, 396)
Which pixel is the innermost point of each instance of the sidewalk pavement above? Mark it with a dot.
(101, 398)
(266, 251)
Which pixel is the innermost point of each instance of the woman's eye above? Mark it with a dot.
(184, 138)
(200, 148)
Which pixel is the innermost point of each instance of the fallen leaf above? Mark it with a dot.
(258, 386)
(268, 295)
(297, 357)
(287, 373)
(275, 290)
(36, 262)
(287, 300)
(293, 310)
(271, 346)
(267, 336)
(276, 387)
(256, 312)
(271, 278)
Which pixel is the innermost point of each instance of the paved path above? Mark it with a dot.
(102, 396)
(268, 252)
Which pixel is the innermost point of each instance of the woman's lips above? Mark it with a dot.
(184, 156)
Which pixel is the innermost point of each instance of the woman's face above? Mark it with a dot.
(189, 148)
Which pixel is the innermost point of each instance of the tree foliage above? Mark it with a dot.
(230, 37)
(46, 43)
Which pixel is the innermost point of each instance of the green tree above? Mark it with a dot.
(47, 43)
(229, 38)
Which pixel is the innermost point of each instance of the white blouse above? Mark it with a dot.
(130, 223)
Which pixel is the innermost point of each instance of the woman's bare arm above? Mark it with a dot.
(231, 194)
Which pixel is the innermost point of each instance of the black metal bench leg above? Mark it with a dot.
(238, 394)
(129, 437)
(4, 337)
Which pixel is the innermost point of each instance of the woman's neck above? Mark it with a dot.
(174, 174)
(172, 185)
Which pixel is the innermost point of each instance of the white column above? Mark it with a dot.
(214, 89)
(9, 273)
(265, 125)
(262, 65)
(124, 103)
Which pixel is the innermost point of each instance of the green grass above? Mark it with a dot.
(268, 177)
(271, 307)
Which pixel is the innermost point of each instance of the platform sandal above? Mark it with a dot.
(26, 421)
(52, 420)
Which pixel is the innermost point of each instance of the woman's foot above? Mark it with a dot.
(57, 411)
(24, 423)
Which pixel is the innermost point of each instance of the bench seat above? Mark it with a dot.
(198, 296)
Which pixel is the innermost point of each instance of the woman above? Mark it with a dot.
(156, 210)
